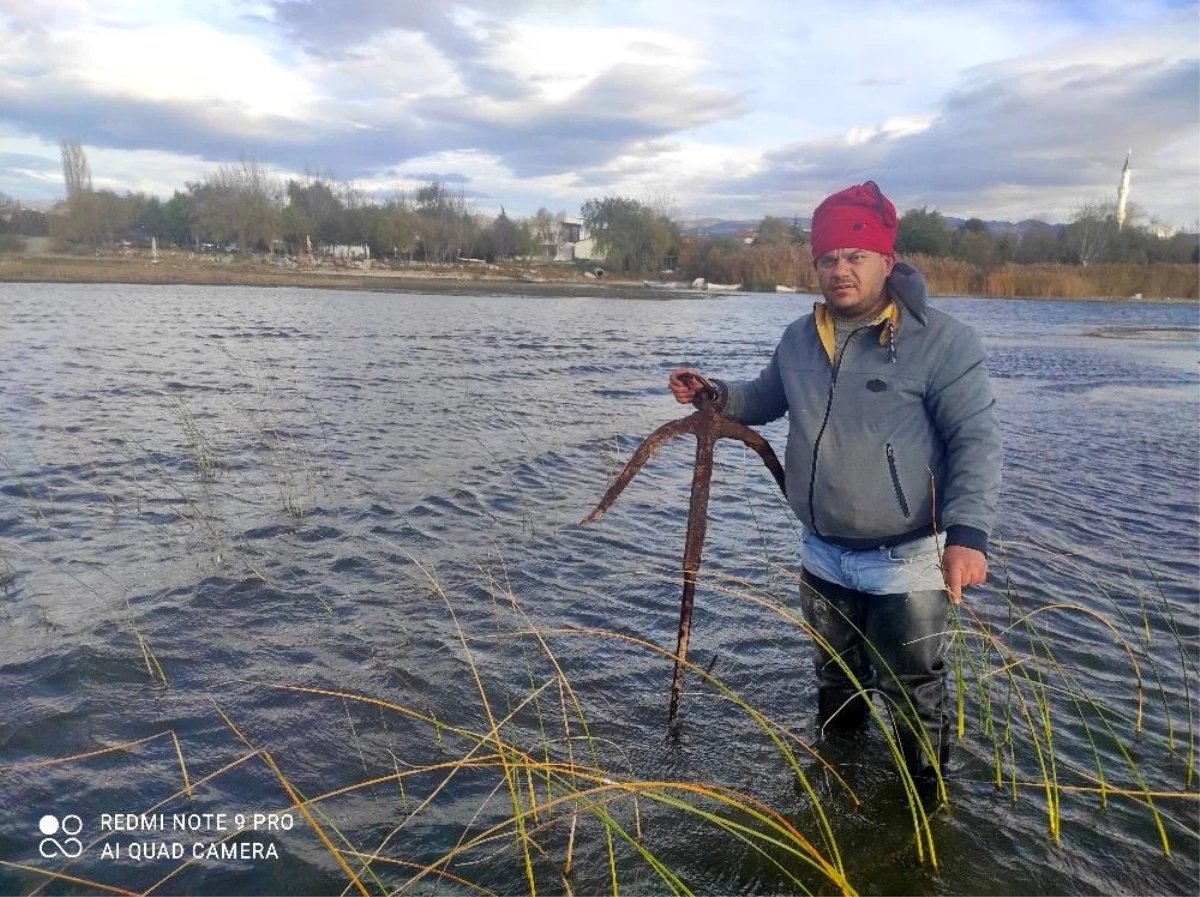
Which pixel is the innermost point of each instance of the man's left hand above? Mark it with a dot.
(963, 567)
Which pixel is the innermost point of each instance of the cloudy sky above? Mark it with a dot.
(1004, 109)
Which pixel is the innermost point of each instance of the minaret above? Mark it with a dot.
(1123, 192)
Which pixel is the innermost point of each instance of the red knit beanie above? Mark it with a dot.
(856, 218)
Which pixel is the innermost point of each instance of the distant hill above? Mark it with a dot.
(717, 227)
(725, 227)
(1000, 228)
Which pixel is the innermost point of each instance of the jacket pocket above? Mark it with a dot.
(891, 458)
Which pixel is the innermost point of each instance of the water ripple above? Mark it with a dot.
(272, 488)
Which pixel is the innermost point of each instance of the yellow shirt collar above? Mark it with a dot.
(826, 331)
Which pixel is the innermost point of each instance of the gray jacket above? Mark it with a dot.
(893, 439)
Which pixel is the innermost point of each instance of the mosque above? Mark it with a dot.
(1123, 192)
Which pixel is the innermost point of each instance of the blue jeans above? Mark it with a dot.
(883, 624)
(911, 567)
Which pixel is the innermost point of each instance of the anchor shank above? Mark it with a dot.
(706, 438)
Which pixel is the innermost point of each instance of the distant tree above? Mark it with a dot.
(34, 223)
(9, 215)
(316, 211)
(77, 174)
(1092, 233)
(661, 203)
(179, 218)
(1039, 243)
(241, 204)
(542, 232)
(1182, 248)
(473, 235)
(505, 236)
(395, 231)
(1006, 248)
(773, 231)
(84, 216)
(356, 221)
(152, 217)
(973, 243)
(1134, 245)
(10, 224)
(528, 246)
(17, 219)
(115, 214)
(923, 232)
(973, 247)
(627, 233)
(444, 221)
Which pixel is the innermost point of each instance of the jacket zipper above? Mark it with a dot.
(812, 477)
(891, 456)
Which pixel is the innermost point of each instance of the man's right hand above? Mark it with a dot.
(684, 388)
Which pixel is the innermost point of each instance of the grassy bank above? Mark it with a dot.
(758, 270)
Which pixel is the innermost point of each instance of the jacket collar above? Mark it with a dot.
(827, 327)
(906, 286)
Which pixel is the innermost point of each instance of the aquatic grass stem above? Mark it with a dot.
(185, 792)
(297, 801)
(774, 731)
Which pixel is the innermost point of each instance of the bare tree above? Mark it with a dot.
(76, 173)
(395, 229)
(241, 203)
(433, 214)
(445, 221)
(85, 218)
(542, 232)
(662, 202)
(1092, 232)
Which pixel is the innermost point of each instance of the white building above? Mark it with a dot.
(569, 242)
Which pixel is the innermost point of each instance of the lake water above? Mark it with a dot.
(212, 496)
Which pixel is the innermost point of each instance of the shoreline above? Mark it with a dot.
(462, 279)
(214, 271)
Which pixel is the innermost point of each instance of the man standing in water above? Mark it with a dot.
(893, 468)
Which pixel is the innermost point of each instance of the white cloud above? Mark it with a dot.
(562, 61)
(180, 63)
(1015, 108)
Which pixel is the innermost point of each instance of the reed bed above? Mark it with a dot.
(1051, 281)
(758, 268)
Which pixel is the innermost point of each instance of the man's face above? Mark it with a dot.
(852, 281)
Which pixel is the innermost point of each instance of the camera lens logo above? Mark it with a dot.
(70, 846)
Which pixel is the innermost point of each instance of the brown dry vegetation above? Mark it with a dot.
(1052, 281)
(791, 265)
(215, 270)
(758, 267)
(785, 264)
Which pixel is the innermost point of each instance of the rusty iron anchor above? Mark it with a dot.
(707, 425)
